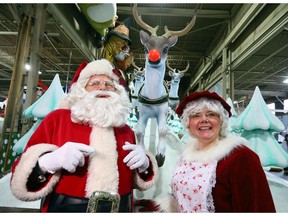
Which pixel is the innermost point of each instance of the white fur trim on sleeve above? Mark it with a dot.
(23, 170)
(144, 185)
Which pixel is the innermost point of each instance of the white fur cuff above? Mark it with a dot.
(144, 185)
(24, 169)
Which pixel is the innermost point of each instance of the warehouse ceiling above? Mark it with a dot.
(255, 56)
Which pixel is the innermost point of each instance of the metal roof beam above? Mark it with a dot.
(271, 26)
(251, 12)
(75, 25)
(175, 12)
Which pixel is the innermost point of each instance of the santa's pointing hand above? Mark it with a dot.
(68, 157)
(136, 158)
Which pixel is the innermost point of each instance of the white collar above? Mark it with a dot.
(216, 152)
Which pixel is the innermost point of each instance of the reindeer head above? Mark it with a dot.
(156, 47)
(176, 74)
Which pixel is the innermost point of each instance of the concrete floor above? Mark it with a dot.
(9, 203)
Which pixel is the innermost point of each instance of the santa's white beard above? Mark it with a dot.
(104, 112)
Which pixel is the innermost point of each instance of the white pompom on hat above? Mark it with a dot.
(102, 66)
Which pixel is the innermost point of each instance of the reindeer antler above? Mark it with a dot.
(135, 66)
(184, 31)
(140, 22)
(168, 66)
(186, 69)
(138, 70)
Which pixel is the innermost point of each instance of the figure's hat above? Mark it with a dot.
(121, 31)
(78, 71)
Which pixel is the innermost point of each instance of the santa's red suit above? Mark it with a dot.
(239, 184)
(104, 171)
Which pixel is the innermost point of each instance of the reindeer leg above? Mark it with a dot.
(140, 131)
(161, 148)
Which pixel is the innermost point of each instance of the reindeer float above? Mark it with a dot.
(176, 76)
(153, 96)
(138, 76)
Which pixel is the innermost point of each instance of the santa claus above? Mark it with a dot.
(83, 156)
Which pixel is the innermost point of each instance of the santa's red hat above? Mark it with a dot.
(197, 95)
(77, 73)
(102, 66)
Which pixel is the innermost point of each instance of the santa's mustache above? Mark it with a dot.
(101, 93)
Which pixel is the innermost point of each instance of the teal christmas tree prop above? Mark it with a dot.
(233, 118)
(258, 124)
(48, 102)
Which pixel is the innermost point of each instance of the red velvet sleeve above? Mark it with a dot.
(250, 191)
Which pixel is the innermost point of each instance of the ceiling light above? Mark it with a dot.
(285, 81)
(27, 67)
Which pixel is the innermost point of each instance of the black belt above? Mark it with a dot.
(65, 203)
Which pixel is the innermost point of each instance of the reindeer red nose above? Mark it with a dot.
(154, 55)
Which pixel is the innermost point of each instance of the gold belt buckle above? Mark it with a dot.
(103, 196)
